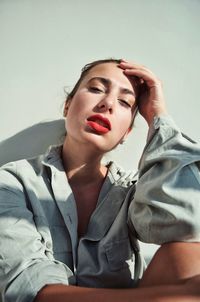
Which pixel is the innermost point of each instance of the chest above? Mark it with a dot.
(86, 201)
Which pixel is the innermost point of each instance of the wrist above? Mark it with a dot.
(154, 114)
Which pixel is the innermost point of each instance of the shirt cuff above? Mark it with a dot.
(25, 287)
(160, 121)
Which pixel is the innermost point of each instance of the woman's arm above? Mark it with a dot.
(172, 276)
(166, 203)
(170, 293)
(150, 100)
(26, 265)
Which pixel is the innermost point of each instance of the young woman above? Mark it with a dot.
(69, 224)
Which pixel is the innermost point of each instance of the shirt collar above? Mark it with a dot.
(115, 173)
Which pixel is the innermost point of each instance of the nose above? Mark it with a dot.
(106, 104)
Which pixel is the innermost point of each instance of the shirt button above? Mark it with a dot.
(48, 245)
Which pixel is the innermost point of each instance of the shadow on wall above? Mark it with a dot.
(32, 141)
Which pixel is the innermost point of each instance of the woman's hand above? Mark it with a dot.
(151, 99)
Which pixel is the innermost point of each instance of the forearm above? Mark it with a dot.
(175, 293)
(165, 206)
(171, 276)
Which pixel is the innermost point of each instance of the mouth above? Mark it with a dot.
(99, 123)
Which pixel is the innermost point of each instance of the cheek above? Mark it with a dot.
(76, 107)
(122, 129)
(125, 120)
(75, 115)
(80, 103)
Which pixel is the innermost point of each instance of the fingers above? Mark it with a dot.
(150, 79)
(126, 64)
(140, 71)
(150, 96)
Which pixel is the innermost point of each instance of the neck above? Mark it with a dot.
(82, 165)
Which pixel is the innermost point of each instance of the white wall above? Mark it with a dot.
(44, 43)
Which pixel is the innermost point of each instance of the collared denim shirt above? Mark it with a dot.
(38, 218)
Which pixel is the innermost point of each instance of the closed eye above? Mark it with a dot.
(124, 103)
(95, 89)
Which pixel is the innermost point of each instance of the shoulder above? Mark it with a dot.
(13, 173)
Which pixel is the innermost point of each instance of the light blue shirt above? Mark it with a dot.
(38, 218)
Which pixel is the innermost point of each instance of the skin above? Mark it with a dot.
(171, 276)
(95, 97)
(83, 169)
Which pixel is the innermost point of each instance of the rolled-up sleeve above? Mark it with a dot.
(166, 204)
(24, 263)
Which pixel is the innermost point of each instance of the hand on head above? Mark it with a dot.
(151, 99)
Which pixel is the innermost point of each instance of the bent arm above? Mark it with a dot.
(171, 277)
(171, 293)
(166, 205)
(26, 265)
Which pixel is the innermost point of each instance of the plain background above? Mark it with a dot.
(44, 44)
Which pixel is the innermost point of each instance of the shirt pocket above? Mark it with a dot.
(119, 254)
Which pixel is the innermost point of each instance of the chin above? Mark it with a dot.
(100, 143)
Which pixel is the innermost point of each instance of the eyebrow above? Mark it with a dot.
(108, 82)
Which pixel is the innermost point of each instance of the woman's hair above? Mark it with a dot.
(84, 72)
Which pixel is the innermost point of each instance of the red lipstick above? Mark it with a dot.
(99, 123)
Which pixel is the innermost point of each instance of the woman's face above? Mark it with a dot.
(101, 111)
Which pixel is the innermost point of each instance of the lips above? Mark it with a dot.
(99, 123)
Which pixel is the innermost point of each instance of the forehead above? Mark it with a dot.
(109, 71)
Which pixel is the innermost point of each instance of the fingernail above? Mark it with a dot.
(125, 61)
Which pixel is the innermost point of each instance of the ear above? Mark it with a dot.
(66, 107)
(125, 136)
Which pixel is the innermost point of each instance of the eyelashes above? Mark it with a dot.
(98, 90)
(125, 103)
